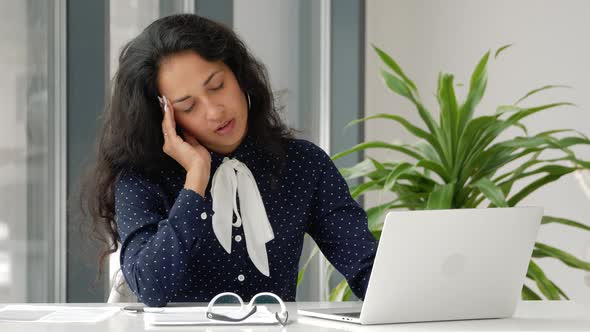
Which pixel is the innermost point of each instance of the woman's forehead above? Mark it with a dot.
(186, 68)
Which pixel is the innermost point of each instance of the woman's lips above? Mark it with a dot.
(227, 128)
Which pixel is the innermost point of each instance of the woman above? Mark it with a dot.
(201, 183)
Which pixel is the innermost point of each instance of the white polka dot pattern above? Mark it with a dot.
(169, 252)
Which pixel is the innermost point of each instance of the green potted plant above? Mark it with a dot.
(459, 161)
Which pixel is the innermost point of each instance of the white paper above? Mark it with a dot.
(55, 314)
(198, 316)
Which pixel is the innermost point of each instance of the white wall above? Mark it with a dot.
(551, 47)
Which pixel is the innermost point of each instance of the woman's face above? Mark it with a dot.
(207, 99)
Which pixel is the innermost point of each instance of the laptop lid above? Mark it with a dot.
(450, 264)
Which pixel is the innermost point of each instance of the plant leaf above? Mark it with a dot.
(396, 85)
(395, 173)
(559, 290)
(379, 175)
(375, 215)
(340, 292)
(471, 146)
(519, 173)
(491, 132)
(405, 87)
(555, 173)
(376, 234)
(477, 87)
(545, 285)
(448, 111)
(399, 87)
(441, 197)
(359, 170)
(364, 187)
(566, 142)
(394, 66)
(375, 145)
(500, 50)
(550, 169)
(523, 127)
(563, 221)
(428, 151)
(525, 112)
(405, 123)
(435, 167)
(543, 250)
(502, 109)
(413, 129)
(546, 87)
(524, 142)
(378, 166)
(545, 138)
(527, 294)
(491, 192)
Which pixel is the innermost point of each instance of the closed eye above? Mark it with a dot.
(189, 109)
(218, 87)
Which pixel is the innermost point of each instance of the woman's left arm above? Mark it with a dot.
(339, 227)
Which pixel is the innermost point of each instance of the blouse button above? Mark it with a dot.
(238, 238)
(204, 215)
(241, 277)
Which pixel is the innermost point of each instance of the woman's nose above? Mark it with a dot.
(214, 110)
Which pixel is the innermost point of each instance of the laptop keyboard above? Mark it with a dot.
(350, 314)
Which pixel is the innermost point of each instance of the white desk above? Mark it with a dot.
(529, 316)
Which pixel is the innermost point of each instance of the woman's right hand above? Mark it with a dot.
(188, 152)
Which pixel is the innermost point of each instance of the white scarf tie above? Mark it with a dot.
(233, 177)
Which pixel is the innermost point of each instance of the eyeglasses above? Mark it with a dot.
(246, 310)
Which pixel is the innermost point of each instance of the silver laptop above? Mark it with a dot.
(436, 265)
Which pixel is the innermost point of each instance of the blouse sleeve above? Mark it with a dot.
(340, 229)
(156, 247)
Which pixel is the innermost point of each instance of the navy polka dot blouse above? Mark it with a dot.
(169, 252)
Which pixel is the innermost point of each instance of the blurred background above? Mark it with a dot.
(57, 58)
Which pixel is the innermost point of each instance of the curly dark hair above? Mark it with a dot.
(128, 137)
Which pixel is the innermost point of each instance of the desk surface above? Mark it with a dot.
(529, 316)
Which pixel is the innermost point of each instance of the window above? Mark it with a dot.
(30, 183)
